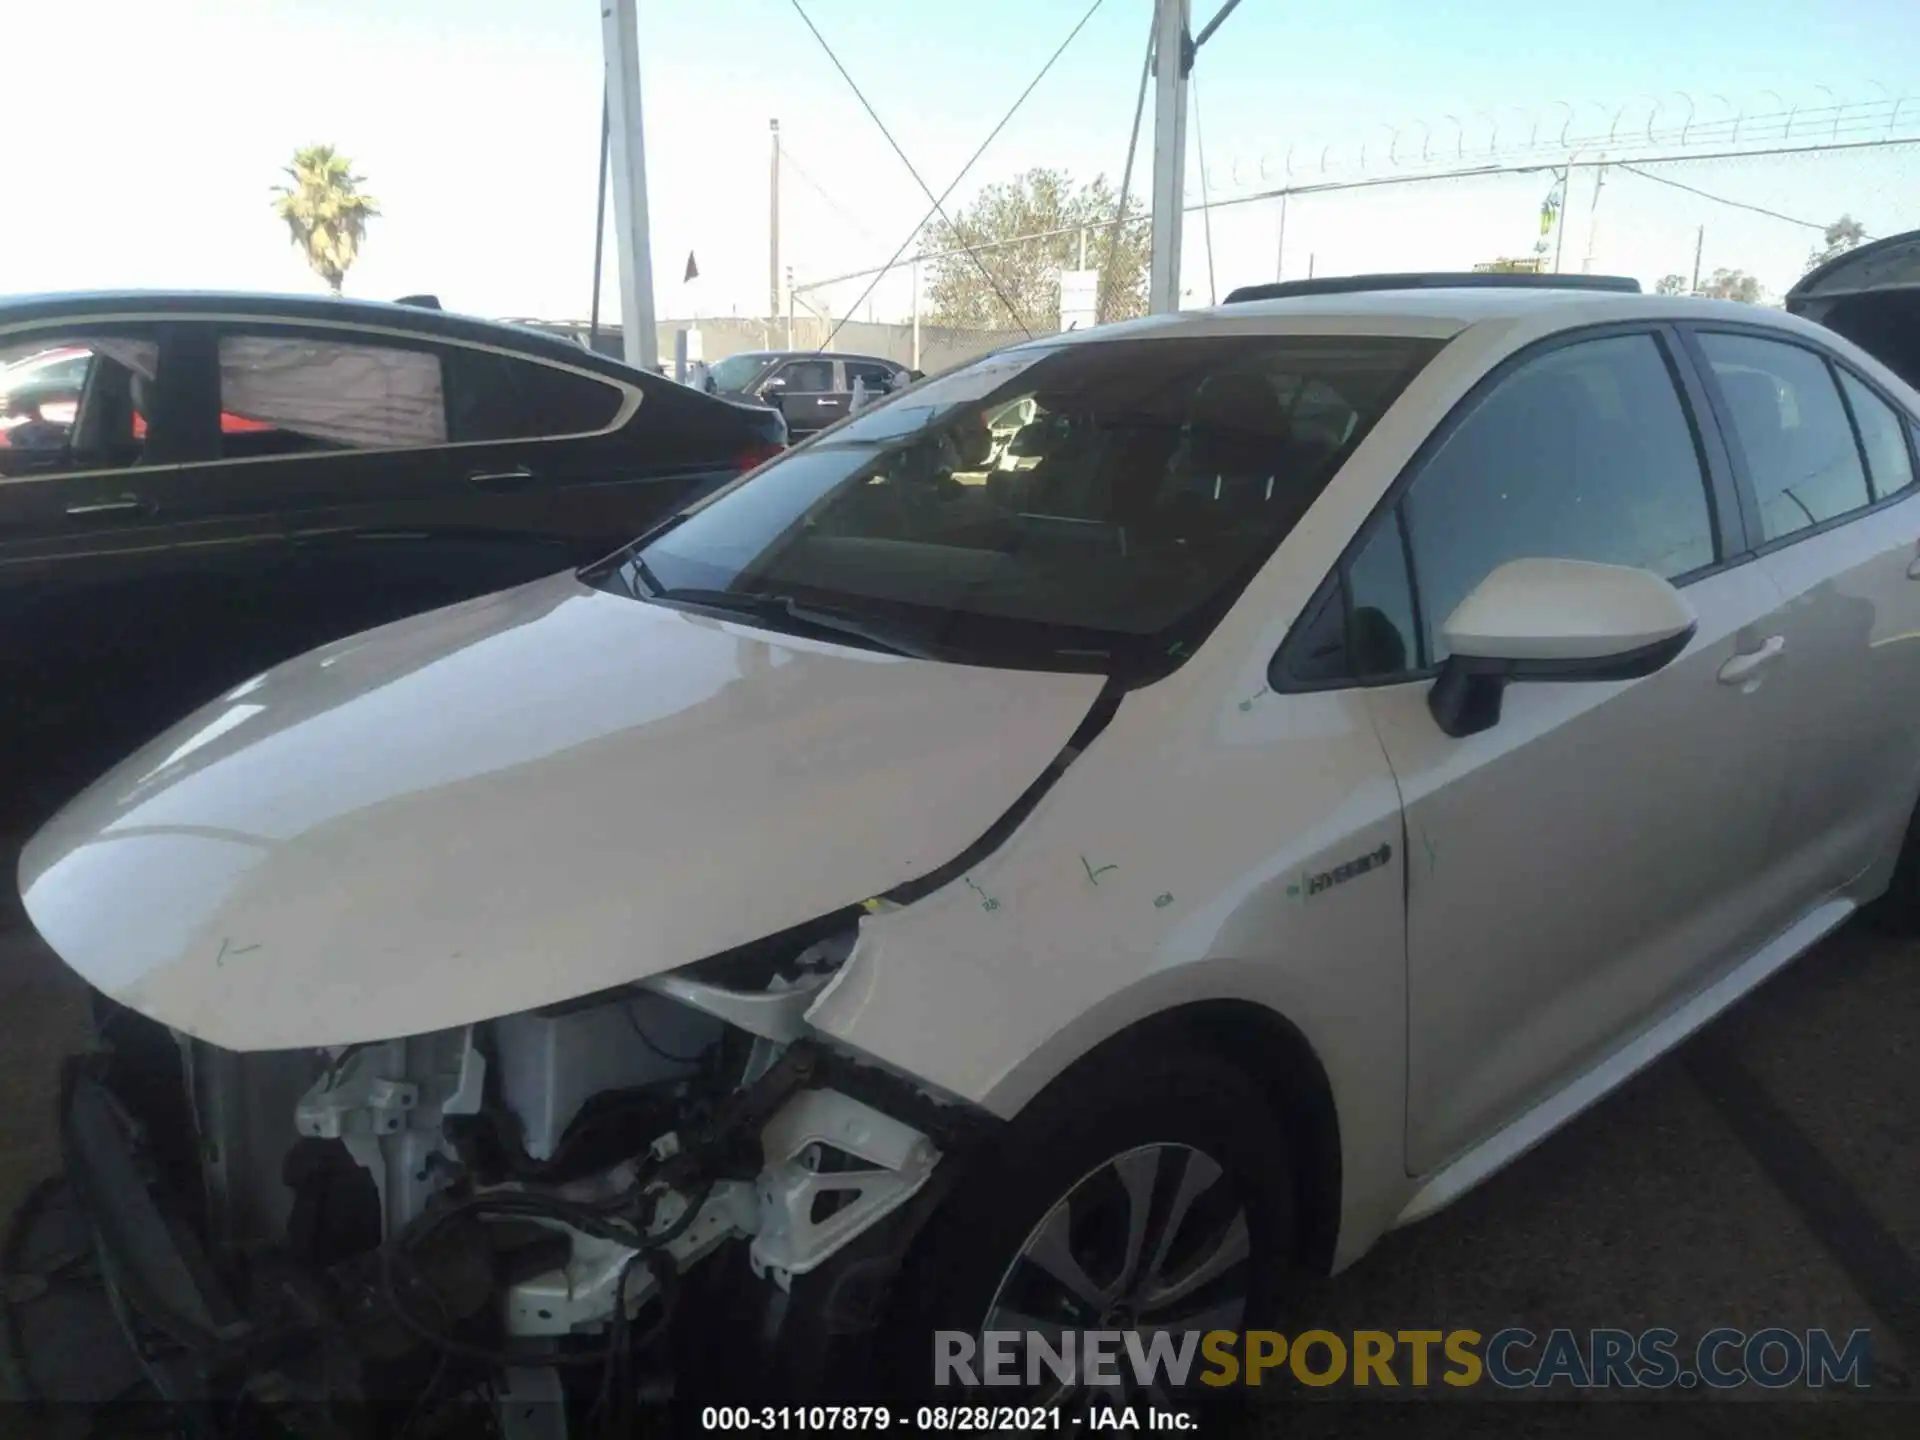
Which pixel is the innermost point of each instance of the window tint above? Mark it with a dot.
(283, 394)
(1790, 425)
(807, 377)
(1882, 436)
(1383, 640)
(875, 377)
(1076, 506)
(1585, 454)
(75, 404)
(499, 397)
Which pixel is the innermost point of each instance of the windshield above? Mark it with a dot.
(736, 372)
(1084, 506)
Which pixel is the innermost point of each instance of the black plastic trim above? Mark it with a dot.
(1466, 695)
(1095, 720)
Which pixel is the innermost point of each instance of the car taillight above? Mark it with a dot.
(758, 453)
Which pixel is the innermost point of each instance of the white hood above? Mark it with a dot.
(517, 801)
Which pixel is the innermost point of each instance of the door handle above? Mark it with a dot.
(501, 479)
(826, 400)
(1744, 667)
(120, 505)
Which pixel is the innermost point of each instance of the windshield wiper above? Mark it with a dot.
(801, 618)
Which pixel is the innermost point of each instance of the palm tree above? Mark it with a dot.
(325, 211)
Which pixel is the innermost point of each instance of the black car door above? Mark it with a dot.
(808, 393)
(129, 569)
(399, 488)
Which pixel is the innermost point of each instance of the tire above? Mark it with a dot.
(1154, 1114)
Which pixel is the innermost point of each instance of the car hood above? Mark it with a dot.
(514, 802)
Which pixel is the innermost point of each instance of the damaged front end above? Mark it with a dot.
(578, 1205)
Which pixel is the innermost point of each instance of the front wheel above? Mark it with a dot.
(1145, 1196)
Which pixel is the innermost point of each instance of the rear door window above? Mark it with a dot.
(291, 393)
(874, 377)
(806, 377)
(1791, 426)
(1882, 437)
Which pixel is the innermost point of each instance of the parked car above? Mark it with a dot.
(894, 897)
(811, 389)
(222, 481)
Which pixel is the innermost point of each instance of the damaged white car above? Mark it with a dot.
(1051, 879)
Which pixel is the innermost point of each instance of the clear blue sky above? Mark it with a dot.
(143, 154)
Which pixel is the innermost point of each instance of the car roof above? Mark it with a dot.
(429, 323)
(811, 355)
(1438, 313)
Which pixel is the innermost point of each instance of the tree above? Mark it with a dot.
(1732, 285)
(1042, 203)
(1670, 285)
(1838, 238)
(325, 211)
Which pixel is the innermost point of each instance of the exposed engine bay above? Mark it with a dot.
(509, 1212)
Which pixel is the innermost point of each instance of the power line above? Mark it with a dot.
(992, 135)
(1723, 200)
(815, 186)
(887, 134)
(1332, 187)
(1102, 302)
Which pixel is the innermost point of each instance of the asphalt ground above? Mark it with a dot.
(1767, 1174)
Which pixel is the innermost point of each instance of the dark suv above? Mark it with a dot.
(228, 480)
(811, 389)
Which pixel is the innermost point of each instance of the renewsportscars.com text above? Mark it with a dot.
(1657, 1359)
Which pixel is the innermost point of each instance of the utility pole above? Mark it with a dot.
(1173, 58)
(1560, 217)
(776, 291)
(1280, 249)
(620, 46)
(1593, 219)
(1699, 240)
(773, 226)
(916, 315)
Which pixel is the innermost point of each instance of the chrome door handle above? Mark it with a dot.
(1745, 667)
(121, 505)
(823, 400)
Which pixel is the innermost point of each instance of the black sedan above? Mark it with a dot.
(236, 478)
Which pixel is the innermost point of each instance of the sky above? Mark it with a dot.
(476, 125)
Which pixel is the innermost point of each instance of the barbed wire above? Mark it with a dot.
(1673, 121)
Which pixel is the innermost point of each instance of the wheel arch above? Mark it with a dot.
(1272, 1051)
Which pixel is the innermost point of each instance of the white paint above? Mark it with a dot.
(1508, 1144)
(551, 791)
(1554, 609)
(518, 800)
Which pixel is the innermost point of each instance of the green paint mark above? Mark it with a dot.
(1160, 902)
(1247, 704)
(1433, 855)
(1293, 890)
(987, 902)
(1177, 649)
(1093, 874)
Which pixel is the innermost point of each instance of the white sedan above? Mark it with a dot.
(1366, 728)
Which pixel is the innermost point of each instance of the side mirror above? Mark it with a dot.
(1559, 620)
(772, 389)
